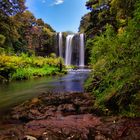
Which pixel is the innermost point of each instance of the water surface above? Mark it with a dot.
(18, 91)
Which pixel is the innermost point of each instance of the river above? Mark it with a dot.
(17, 92)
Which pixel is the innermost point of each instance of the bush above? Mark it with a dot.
(115, 81)
(25, 67)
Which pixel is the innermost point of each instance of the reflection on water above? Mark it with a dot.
(19, 91)
(73, 81)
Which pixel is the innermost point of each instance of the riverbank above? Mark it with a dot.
(23, 67)
(61, 116)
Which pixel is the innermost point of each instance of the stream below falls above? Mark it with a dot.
(17, 92)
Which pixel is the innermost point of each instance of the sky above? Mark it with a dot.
(62, 15)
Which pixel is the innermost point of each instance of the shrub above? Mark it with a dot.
(25, 67)
(115, 81)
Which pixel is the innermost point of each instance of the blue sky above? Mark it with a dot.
(62, 15)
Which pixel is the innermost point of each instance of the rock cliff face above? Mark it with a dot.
(68, 116)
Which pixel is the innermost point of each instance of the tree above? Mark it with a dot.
(8, 26)
(99, 16)
(20, 30)
(115, 59)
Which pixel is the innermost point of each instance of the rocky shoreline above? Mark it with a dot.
(66, 116)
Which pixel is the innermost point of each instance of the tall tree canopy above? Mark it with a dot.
(20, 31)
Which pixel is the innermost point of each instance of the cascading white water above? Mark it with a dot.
(60, 44)
(82, 51)
(68, 53)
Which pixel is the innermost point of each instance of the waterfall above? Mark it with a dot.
(74, 50)
(68, 53)
(60, 44)
(82, 51)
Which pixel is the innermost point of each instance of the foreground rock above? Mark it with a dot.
(66, 117)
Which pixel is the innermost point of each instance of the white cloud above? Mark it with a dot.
(57, 2)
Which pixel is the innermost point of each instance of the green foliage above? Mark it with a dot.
(85, 23)
(94, 22)
(115, 58)
(2, 39)
(30, 72)
(21, 32)
(53, 55)
(25, 67)
(122, 9)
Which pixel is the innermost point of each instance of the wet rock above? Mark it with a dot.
(35, 100)
(47, 106)
(120, 129)
(69, 127)
(100, 136)
(68, 116)
(12, 132)
(66, 108)
(29, 138)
